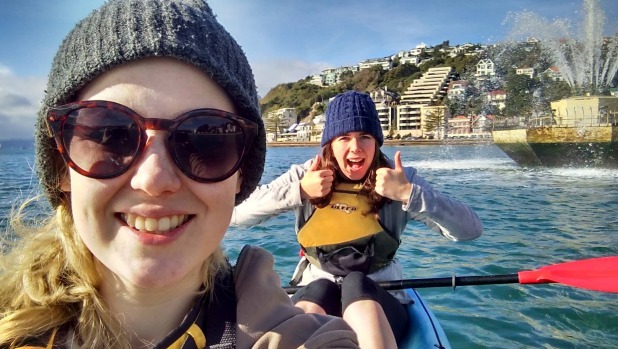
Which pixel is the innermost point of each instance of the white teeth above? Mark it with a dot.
(139, 223)
(154, 225)
(130, 219)
(151, 224)
(164, 223)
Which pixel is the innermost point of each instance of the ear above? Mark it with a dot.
(238, 181)
(65, 182)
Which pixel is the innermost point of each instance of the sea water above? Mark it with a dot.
(532, 217)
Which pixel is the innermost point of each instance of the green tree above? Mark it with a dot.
(455, 105)
(272, 123)
(556, 90)
(435, 120)
(519, 91)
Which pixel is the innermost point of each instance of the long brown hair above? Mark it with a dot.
(329, 162)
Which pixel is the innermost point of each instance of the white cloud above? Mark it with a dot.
(19, 102)
(4, 70)
(20, 96)
(268, 74)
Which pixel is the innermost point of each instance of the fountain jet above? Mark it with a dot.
(581, 131)
(587, 60)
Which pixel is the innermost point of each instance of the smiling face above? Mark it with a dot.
(354, 152)
(153, 227)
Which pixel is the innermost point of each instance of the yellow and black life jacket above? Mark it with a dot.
(211, 323)
(342, 237)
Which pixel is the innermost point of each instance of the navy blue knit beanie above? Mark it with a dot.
(351, 111)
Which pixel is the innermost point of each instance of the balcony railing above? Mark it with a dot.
(599, 120)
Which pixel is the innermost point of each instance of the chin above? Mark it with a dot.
(355, 176)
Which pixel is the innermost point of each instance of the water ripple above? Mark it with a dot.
(532, 217)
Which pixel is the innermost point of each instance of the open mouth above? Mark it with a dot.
(151, 225)
(355, 164)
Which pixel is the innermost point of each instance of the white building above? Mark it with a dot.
(427, 90)
(332, 76)
(385, 106)
(485, 68)
(303, 132)
(496, 98)
(419, 49)
(277, 122)
(457, 89)
(386, 63)
(553, 73)
(317, 80)
(459, 126)
(525, 71)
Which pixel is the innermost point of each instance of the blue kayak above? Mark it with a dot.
(424, 330)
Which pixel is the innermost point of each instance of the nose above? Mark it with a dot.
(354, 144)
(156, 172)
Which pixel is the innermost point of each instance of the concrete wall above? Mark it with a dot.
(557, 135)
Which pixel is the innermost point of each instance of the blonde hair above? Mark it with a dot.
(49, 279)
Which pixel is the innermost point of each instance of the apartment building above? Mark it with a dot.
(427, 90)
(317, 79)
(386, 63)
(414, 60)
(331, 76)
(385, 106)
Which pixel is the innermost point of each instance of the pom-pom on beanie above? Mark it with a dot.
(351, 111)
(121, 31)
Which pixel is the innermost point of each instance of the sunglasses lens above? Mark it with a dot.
(101, 141)
(208, 147)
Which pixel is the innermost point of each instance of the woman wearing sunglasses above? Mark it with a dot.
(149, 134)
(352, 206)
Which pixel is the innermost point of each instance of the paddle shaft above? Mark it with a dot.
(595, 274)
(453, 282)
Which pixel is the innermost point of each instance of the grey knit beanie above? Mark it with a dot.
(351, 111)
(121, 31)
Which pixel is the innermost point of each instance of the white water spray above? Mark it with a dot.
(587, 60)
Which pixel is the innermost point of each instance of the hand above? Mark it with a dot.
(316, 183)
(393, 183)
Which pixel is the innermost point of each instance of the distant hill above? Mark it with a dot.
(302, 95)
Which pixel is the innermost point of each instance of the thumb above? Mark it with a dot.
(316, 163)
(398, 164)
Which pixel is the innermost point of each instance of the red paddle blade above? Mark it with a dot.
(597, 274)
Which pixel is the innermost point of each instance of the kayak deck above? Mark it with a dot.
(424, 330)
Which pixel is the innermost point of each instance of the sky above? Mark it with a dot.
(284, 40)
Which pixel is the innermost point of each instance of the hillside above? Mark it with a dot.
(302, 95)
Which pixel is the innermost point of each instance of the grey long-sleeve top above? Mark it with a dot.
(452, 218)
